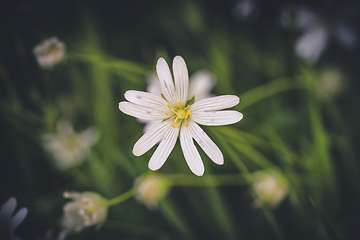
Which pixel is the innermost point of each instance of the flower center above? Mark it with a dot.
(181, 114)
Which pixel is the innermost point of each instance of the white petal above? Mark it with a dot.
(190, 152)
(164, 149)
(217, 118)
(312, 43)
(215, 103)
(181, 77)
(166, 81)
(200, 85)
(206, 143)
(90, 136)
(7, 209)
(150, 138)
(149, 125)
(146, 99)
(141, 112)
(18, 218)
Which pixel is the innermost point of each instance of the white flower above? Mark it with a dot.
(50, 52)
(8, 221)
(315, 33)
(312, 43)
(200, 85)
(86, 209)
(151, 189)
(179, 116)
(271, 188)
(67, 147)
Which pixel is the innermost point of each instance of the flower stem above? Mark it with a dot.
(122, 197)
(267, 90)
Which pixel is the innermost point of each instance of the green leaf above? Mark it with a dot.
(326, 225)
(190, 101)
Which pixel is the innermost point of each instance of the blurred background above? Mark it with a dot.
(65, 66)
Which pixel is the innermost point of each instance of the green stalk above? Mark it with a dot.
(267, 90)
(122, 197)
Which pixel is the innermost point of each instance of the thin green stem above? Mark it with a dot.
(107, 61)
(122, 197)
(267, 90)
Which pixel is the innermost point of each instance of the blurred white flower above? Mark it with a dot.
(86, 209)
(245, 9)
(151, 189)
(330, 83)
(346, 36)
(270, 187)
(315, 33)
(10, 221)
(179, 115)
(200, 85)
(50, 52)
(67, 147)
(311, 44)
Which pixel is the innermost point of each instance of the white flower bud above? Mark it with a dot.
(330, 83)
(270, 187)
(50, 52)
(151, 189)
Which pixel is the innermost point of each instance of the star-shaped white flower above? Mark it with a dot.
(200, 85)
(179, 115)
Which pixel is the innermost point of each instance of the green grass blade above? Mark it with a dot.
(328, 228)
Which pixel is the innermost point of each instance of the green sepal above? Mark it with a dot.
(190, 101)
(165, 119)
(163, 97)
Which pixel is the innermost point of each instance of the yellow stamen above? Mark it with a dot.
(178, 103)
(173, 126)
(166, 114)
(186, 116)
(169, 106)
(187, 125)
(167, 120)
(178, 126)
(189, 112)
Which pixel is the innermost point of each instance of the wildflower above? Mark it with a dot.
(179, 114)
(86, 209)
(270, 187)
(8, 221)
(67, 147)
(50, 52)
(200, 85)
(151, 189)
(315, 33)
